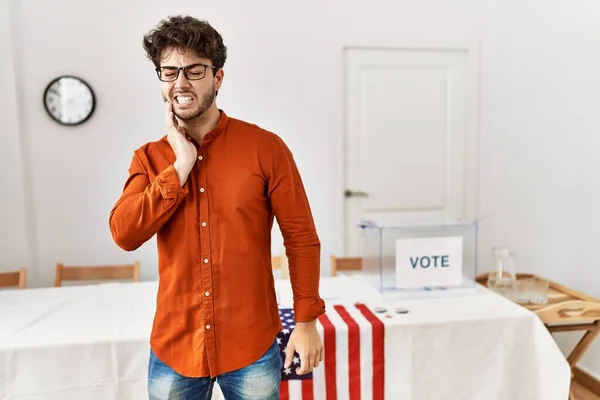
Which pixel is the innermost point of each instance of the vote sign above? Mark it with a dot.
(429, 262)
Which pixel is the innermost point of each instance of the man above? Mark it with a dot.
(210, 190)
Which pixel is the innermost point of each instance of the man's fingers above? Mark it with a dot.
(303, 367)
(307, 363)
(316, 358)
(172, 121)
(303, 361)
(169, 114)
(289, 355)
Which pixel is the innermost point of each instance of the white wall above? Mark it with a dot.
(14, 249)
(283, 72)
(539, 83)
(543, 167)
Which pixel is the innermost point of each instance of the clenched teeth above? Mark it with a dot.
(183, 100)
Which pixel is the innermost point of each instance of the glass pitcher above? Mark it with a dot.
(503, 278)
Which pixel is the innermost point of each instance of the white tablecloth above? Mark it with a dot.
(91, 342)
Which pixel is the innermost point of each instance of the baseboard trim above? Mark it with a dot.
(587, 379)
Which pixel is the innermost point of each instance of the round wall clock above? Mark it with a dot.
(69, 100)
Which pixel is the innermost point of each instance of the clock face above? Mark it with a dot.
(69, 100)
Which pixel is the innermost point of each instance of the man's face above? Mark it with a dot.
(190, 96)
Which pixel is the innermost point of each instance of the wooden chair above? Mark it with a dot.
(14, 278)
(91, 273)
(280, 262)
(345, 264)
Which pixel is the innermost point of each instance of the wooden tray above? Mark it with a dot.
(565, 305)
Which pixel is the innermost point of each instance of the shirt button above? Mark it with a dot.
(200, 158)
(204, 224)
(207, 326)
(207, 294)
(201, 190)
(206, 261)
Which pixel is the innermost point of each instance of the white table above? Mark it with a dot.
(91, 342)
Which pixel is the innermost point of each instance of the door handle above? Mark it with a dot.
(355, 193)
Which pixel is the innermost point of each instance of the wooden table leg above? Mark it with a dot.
(581, 347)
(592, 330)
(578, 352)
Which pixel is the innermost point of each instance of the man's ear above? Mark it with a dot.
(219, 75)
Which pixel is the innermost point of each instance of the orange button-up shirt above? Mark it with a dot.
(216, 304)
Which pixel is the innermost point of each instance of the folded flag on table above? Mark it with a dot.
(353, 362)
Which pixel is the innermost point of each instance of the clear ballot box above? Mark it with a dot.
(419, 261)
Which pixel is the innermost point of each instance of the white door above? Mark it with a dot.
(410, 130)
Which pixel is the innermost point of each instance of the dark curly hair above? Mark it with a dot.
(185, 33)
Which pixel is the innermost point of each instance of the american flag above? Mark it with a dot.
(353, 362)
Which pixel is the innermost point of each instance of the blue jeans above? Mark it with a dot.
(258, 381)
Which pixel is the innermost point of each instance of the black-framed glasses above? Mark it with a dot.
(192, 72)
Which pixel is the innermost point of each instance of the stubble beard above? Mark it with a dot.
(204, 104)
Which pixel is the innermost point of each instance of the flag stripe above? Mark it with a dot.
(342, 381)
(284, 391)
(329, 357)
(318, 373)
(307, 389)
(366, 352)
(378, 352)
(295, 389)
(353, 352)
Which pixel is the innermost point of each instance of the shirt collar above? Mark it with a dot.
(217, 130)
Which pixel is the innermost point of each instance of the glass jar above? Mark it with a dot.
(503, 278)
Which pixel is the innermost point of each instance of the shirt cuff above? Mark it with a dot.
(308, 309)
(170, 187)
